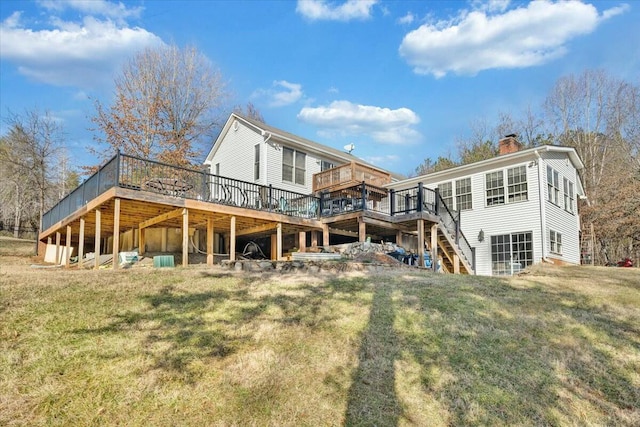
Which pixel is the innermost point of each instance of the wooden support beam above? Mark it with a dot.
(141, 241)
(274, 247)
(210, 234)
(81, 243)
(161, 218)
(344, 233)
(362, 230)
(314, 239)
(325, 234)
(456, 264)
(67, 255)
(57, 247)
(421, 245)
(258, 229)
(434, 247)
(302, 241)
(135, 239)
(96, 248)
(279, 240)
(232, 240)
(185, 237)
(116, 234)
(399, 238)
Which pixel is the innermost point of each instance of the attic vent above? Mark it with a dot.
(235, 125)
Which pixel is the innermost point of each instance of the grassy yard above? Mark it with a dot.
(197, 346)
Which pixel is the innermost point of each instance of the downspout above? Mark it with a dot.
(541, 203)
(266, 156)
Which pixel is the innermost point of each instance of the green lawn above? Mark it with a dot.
(198, 346)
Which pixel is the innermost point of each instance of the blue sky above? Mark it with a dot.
(400, 80)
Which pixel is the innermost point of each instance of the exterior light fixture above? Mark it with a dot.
(481, 236)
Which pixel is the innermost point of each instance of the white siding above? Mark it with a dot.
(236, 154)
(557, 218)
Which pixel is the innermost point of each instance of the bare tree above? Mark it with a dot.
(166, 106)
(30, 155)
(250, 111)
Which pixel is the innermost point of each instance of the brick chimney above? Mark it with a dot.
(509, 144)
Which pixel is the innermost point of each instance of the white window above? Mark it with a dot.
(555, 241)
(446, 192)
(511, 253)
(553, 185)
(256, 162)
(463, 194)
(293, 165)
(517, 184)
(569, 196)
(495, 188)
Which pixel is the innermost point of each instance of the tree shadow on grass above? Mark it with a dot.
(372, 398)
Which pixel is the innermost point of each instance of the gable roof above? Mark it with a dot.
(278, 135)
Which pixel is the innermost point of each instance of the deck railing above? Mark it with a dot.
(135, 173)
(351, 173)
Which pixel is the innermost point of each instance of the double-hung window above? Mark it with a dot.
(495, 188)
(569, 196)
(553, 185)
(517, 184)
(293, 165)
(446, 192)
(555, 241)
(463, 194)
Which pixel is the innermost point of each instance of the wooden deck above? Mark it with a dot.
(126, 205)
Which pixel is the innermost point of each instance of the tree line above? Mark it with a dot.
(169, 102)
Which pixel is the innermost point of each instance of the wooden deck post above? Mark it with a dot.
(135, 242)
(210, 250)
(362, 230)
(302, 241)
(421, 243)
(274, 247)
(232, 240)
(399, 238)
(456, 264)
(434, 247)
(57, 247)
(67, 255)
(185, 237)
(81, 243)
(325, 234)
(141, 240)
(96, 249)
(116, 234)
(314, 239)
(279, 241)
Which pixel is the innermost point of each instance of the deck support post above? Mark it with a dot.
(434, 247)
(185, 237)
(81, 243)
(456, 264)
(141, 240)
(325, 234)
(134, 238)
(314, 239)
(302, 241)
(96, 248)
(116, 233)
(274, 247)
(210, 250)
(399, 238)
(421, 246)
(57, 247)
(279, 241)
(362, 230)
(67, 255)
(232, 240)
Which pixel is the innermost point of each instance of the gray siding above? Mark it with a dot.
(236, 154)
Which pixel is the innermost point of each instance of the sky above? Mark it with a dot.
(401, 80)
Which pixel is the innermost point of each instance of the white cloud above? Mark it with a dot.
(491, 5)
(104, 8)
(479, 40)
(81, 54)
(281, 93)
(347, 119)
(406, 19)
(322, 10)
